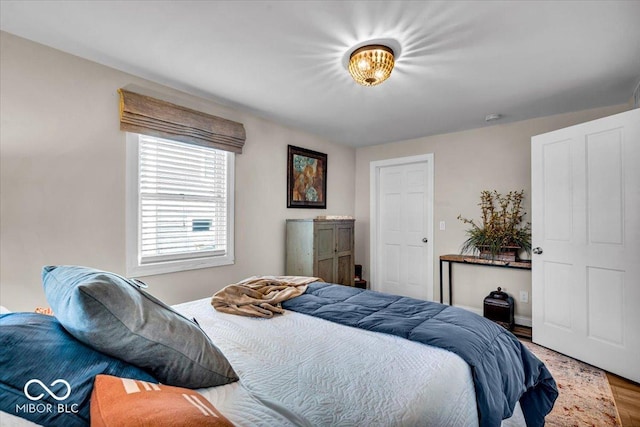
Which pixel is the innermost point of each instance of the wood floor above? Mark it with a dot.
(627, 397)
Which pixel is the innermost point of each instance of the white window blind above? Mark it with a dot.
(183, 201)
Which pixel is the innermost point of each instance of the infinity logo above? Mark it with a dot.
(52, 394)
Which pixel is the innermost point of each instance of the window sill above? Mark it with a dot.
(141, 270)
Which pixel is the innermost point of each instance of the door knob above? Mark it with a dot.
(537, 250)
(425, 240)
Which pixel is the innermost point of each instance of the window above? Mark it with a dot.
(179, 204)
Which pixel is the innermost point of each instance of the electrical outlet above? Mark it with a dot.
(524, 296)
(442, 225)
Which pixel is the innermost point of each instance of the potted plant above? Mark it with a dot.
(502, 232)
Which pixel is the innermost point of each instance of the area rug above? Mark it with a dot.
(585, 397)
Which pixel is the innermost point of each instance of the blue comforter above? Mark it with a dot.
(503, 370)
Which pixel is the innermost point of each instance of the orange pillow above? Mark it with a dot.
(122, 402)
(44, 310)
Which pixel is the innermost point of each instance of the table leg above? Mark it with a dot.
(450, 286)
(441, 296)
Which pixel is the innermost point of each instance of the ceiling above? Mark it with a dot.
(285, 60)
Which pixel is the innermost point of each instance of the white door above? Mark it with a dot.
(586, 224)
(402, 260)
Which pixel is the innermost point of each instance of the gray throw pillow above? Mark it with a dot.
(113, 315)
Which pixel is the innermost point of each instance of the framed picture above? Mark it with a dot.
(306, 178)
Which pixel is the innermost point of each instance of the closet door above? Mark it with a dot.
(586, 239)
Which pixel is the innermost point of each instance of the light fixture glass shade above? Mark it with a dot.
(371, 65)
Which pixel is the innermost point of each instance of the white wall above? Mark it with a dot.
(493, 157)
(62, 177)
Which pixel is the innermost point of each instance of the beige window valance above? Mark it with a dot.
(149, 116)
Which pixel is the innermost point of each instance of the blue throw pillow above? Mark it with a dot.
(46, 375)
(113, 315)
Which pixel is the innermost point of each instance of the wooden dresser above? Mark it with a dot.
(321, 248)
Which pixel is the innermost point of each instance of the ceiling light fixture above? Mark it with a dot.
(371, 65)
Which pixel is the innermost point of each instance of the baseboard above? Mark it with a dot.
(523, 321)
(520, 320)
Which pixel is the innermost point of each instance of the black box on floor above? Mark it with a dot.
(498, 306)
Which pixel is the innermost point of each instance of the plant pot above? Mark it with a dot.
(506, 253)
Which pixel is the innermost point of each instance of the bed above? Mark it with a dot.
(300, 370)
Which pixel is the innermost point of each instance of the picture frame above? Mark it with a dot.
(306, 178)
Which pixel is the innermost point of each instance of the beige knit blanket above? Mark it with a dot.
(260, 296)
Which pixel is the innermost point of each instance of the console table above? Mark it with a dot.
(466, 259)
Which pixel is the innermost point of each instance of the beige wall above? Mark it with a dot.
(494, 157)
(62, 182)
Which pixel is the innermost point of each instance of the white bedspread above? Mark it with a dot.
(299, 370)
